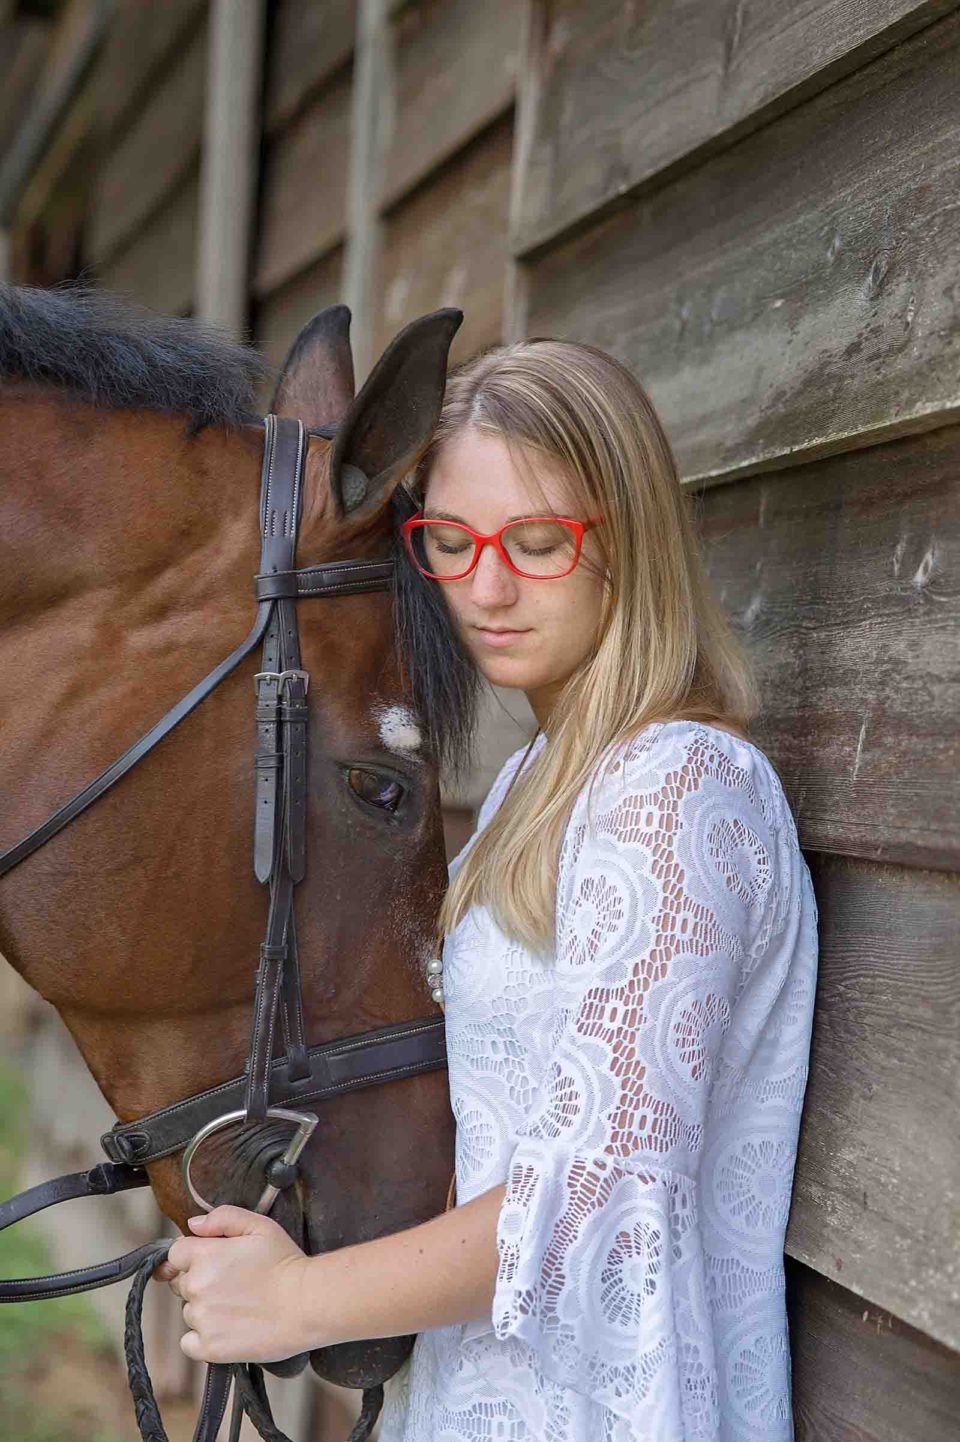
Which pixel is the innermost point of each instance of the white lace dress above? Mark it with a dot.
(640, 1095)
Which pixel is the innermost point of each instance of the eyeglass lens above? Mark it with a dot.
(538, 548)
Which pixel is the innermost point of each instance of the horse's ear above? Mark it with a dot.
(389, 424)
(316, 380)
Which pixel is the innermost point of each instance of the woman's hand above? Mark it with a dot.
(242, 1282)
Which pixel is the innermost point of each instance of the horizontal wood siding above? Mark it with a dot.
(456, 65)
(754, 208)
(843, 576)
(152, 155)
(142, 50)
(25, 53)
(860, 1374)
(446, 245)
(876, 1203)
(157, 265)
(279, 318)
(796, 294)
(307, 44)
(626, 93)
(304, 187)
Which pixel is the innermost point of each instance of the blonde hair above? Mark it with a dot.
(663, 648)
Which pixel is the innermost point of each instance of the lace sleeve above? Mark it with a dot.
(660, 905)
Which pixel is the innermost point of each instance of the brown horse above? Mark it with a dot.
(128, 540)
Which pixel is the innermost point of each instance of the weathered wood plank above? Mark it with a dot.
(623, 93)
(796, 295)
(157, 267)
(843, 577)
(446, 245)
(372, 110)
(456, 68)
(26, 47)
(279, 318)
(455, 73)
(304, 185)
(862, 1375)
(876, 1202)
(142, 39)
(229, 171)
(153, 154)
(308, 44)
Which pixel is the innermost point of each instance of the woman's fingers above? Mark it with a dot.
(164, 1273)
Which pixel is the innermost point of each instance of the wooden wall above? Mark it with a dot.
(143, 201)
(753, 205)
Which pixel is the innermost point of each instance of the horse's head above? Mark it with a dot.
(130, 550)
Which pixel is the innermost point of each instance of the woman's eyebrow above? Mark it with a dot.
(449, 516)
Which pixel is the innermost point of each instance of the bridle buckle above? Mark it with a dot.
(280, 677)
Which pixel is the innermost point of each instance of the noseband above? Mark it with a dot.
(270, 1088)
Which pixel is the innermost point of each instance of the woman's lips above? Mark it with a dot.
(497, 637)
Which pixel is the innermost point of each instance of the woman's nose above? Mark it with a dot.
(492, 581)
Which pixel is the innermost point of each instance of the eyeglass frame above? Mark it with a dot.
(418, 521)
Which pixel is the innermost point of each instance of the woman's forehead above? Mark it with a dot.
(480, 471)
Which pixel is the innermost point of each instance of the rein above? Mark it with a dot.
(270, 1088)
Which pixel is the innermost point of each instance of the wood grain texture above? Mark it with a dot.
(876, 1202)
(796, 295)
(625, 93)
(862, 1375)
(456, 67)
(843, 578)
(151, 156)
(446, 245)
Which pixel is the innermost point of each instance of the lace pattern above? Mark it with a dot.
(640, 1096)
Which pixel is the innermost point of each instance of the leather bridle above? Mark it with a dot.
(270, 1088)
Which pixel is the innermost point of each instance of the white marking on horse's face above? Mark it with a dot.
(399, 730)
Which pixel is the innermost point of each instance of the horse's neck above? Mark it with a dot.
(126, 551)
(112, 501)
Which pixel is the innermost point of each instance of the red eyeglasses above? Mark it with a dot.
(542, 548)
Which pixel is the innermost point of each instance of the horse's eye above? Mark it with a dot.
(377, 790)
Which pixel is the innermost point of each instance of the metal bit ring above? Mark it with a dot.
(304, 1122)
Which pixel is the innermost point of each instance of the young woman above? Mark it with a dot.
(628, 971)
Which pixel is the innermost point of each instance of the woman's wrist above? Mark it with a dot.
(438, 1273)
(311, 1306)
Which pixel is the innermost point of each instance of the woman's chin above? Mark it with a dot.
(508, 671)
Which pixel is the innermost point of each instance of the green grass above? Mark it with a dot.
(30, 1330)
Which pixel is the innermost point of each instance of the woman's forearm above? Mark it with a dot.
(436, 1274)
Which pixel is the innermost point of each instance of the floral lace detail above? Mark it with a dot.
(640, 1096)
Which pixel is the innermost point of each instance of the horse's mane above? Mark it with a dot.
(103, 348)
